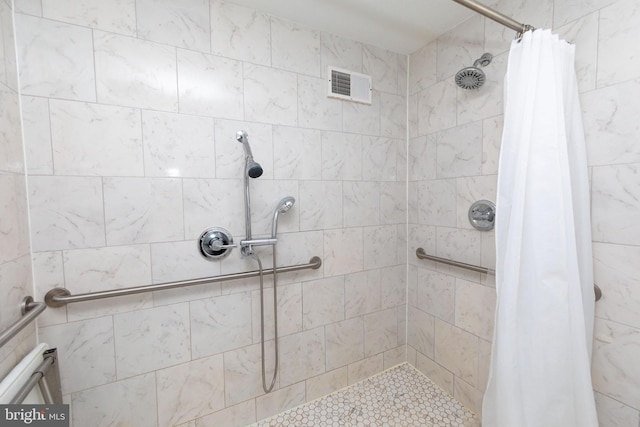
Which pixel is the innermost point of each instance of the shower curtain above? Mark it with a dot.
(540, 362)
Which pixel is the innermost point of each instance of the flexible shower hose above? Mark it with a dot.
(275, 319)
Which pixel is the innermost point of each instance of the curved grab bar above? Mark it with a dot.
(58, 297)
(420, 253)
(30, 310)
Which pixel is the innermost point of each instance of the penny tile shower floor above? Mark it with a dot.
(398, 397)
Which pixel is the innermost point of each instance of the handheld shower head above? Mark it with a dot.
(473, 77)
(252, 168)
(283, 206)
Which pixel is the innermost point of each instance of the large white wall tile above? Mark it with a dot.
(322, 302)
(422, 158)
(270, 95)
(183, 24)
(341, 156)
(436, 294)
(475, 308)
(143, 210)
(615, 204)
(316, 109)
(615, 273)
(421, 331)
(289, 299)
(295, 48)
(362, 118)
(210, 85)
(147, 340)
(459, 47)
(320, 205)
(239, 415)
(242, 373)
(296, 153)
(90, 270)
(220, 324)
(86, 352)
(612, 413)
(56, 59)
(379, 159)
(362, 293)
(393, 202)
(178, 145)
(382, 66)
(176, 261)
(345, 342)
(614, 373)
(380, 246)
(619, 28)
(202, 207)
(583, 33)
(240, 32)
(422, 68)
(95, 139)
(361, 203)
(393, 286)
(380, 332)
(302, 355)
(280, 400)
(457, 351)
(37, 135)
(135, 72)
(459, 151)
(343, 251)
(437, 202)
(339, 52)
(117, 16)
(610, 124)
(393, 115)
(568, 10)
(66, 212)
(326, 383)
(118, 403)
(190, 390)
(436, 107)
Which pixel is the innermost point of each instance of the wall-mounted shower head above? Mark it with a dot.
(283, 206)
(252, 168)
(473, 77)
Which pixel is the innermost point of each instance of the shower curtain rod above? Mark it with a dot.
(58, 297)
(495, 15)
(421, 254)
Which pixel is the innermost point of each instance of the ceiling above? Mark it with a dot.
(402, 26)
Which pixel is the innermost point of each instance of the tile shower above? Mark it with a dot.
(129, 111)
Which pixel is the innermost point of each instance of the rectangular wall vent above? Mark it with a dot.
(350, 86)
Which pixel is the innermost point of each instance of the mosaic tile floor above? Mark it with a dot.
(398, 397)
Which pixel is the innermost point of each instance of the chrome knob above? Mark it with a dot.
(215, 243)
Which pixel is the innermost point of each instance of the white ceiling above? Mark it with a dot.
(402, 26)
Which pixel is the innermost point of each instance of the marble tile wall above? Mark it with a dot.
(130, 113)
(15, 261)
(453, 153)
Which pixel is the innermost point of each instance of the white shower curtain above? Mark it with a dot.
(540, 362)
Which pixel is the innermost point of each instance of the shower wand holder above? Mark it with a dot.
(215, 243)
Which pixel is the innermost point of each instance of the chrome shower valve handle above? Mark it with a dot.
(216, 243)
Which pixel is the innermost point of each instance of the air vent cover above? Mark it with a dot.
(350, 86)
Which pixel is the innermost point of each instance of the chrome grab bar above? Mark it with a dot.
(58, 297)
(30, 310)
(420, 253)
